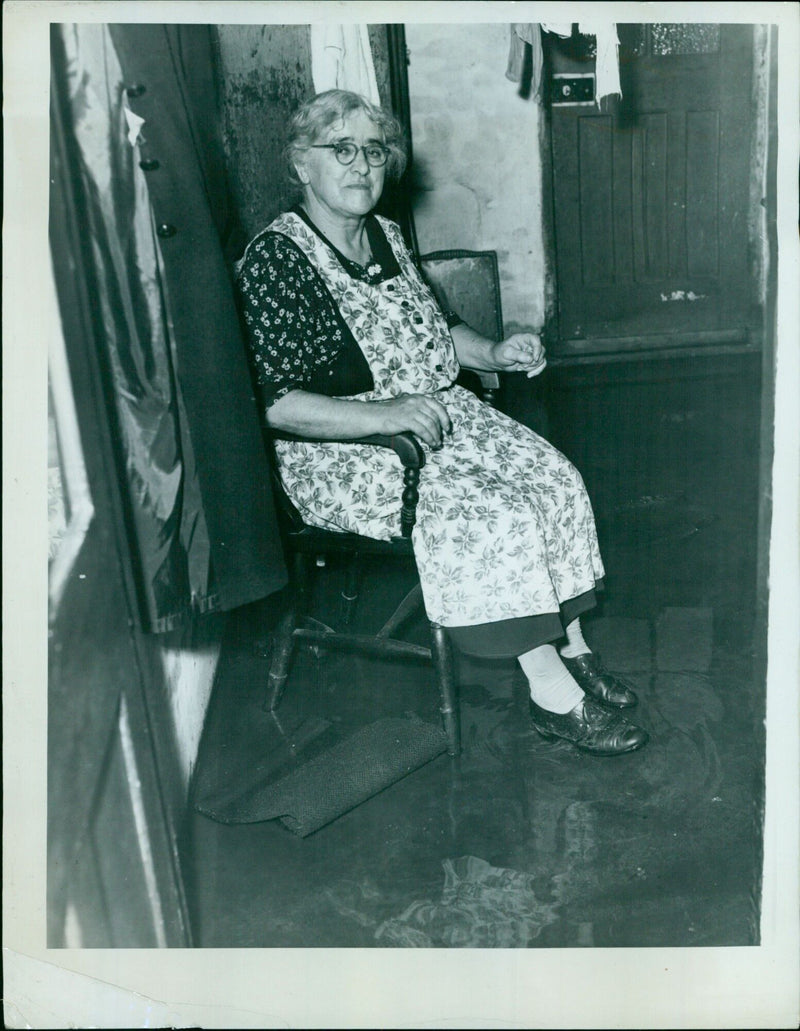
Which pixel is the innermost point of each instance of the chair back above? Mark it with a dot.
(467, 282)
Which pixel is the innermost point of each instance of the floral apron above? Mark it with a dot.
(504, 524)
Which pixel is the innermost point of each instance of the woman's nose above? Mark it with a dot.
(360, 162)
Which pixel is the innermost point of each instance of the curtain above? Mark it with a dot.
(145, 161)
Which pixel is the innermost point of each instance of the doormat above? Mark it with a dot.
(333, 782)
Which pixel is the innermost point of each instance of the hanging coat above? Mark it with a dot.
(168, 82)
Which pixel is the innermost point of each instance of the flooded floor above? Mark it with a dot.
(521, 842)
(518, 842)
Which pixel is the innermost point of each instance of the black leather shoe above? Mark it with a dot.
(590, 727)
(596, 681)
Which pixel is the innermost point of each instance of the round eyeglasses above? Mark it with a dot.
(375, 153)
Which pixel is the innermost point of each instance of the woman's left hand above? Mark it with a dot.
(521, 352)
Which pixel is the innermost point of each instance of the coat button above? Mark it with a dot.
(165, 230)
(438, 368)
(390, 287)
(135, 90)
(430, 345)
(418, 320)
(149, 165)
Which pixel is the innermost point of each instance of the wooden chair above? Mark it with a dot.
(466, 282)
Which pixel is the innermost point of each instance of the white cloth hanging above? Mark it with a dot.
(341, 59)
(558, 28)
(607, 62)
(522, 33)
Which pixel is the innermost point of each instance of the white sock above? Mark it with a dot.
(575, 645)
(551, 685)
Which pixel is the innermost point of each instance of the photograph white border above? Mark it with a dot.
(652, 988)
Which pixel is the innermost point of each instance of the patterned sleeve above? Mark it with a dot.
(290, 319)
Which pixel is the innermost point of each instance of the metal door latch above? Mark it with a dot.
(572, 89)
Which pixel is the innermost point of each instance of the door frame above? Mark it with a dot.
(144, 722)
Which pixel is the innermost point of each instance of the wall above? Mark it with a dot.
(763, 60)
(477, 163)
(264, 74)
(477, 168)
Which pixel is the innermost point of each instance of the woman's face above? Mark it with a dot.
(344, 190)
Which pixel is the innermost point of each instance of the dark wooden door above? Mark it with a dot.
(651, 193)
(113, 872)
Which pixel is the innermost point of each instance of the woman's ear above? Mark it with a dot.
(302, 172)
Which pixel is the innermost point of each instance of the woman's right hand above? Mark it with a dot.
(420, 414)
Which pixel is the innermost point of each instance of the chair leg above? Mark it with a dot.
(444, 665)
(350, 591)
(284, 641)
(281, 657)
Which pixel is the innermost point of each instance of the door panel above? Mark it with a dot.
(651, 193)
(113, 875)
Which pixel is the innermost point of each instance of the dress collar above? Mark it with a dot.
(383, 264)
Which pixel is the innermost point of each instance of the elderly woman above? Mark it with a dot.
(347, 341)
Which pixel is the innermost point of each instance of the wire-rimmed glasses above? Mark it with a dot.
(345, 153)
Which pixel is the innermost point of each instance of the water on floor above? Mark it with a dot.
(521, 842)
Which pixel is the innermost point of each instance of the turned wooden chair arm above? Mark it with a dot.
(405, 445)
(412, 458)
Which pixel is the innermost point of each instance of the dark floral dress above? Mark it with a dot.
(504, 524)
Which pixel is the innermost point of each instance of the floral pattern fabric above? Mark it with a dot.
(292, 326)
(504, 524)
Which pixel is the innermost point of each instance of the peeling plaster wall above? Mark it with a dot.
(264, 74)
(477, 164)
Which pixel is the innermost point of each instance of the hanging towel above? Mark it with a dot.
(607, 62)
(523, 33)
(558, 28)
(341, 59)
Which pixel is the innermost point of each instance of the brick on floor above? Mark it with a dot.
(684, 639)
